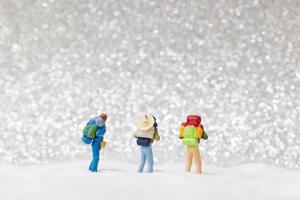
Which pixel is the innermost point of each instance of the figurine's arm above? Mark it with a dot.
(156, 135)
(100, 132)
(181, 132)
(135, 135)
(204, 135)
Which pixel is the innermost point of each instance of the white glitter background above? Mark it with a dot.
(234, 62)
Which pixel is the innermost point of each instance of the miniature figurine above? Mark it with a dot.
(93, 133)
(146, 134)
(191, 132)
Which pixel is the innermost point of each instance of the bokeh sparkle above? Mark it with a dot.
(236, 63)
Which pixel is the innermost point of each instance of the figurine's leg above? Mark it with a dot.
(91, 164)
(142, 161)
(96, 155)
(149, 157)
(197, 158)
(90, 167)
(189, 159)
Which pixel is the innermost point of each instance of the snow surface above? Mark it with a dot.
(117, 180)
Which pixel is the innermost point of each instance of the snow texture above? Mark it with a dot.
(236, 63)
(120, 181)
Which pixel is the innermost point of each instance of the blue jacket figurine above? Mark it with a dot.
(147, 132)
(93, 134)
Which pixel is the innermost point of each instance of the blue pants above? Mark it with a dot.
(96, 155)
(146, 155)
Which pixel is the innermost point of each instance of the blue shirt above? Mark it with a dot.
(101, 128)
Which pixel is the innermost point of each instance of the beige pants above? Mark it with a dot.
(193, 152)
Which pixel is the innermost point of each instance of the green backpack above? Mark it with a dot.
(190, 136)
(90, 130)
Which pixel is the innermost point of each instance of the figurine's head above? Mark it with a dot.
(103, 116)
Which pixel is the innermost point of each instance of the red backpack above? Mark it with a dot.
(193, 120)
(187, 132)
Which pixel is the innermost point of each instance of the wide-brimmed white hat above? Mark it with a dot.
(145, 122)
